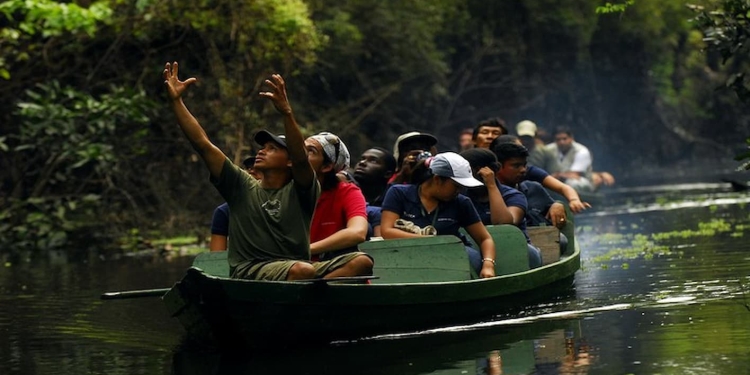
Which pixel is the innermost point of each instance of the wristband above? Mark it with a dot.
(489, 259)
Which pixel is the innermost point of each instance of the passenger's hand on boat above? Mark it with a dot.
(488, 176)
(175, 87)
(556, 215)
(488, 270)
(277, 94)
(576, 205)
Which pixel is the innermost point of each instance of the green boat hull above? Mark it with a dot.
(425, 283)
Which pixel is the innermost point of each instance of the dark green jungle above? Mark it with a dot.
(90, 155)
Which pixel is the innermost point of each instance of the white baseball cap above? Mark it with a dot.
(454, 166)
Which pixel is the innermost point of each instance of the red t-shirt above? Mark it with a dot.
(334, 209)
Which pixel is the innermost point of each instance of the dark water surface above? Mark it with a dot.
(663, 290)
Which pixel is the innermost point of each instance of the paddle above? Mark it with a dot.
(160, 292)
(135, 294)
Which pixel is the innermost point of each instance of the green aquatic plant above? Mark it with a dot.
(704, 230)
(661, 200)
(648, 246)
(646, 250)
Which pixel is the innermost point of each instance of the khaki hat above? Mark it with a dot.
(427, 138)
(527, 128)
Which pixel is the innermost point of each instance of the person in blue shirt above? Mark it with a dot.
(498, 203)
(534, 173)
(433, 200)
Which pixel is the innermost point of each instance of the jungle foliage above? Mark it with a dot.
(726, 30)
(90, 150)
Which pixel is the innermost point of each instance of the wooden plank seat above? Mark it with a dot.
(411, 260)
(418, 260)
(547, 240)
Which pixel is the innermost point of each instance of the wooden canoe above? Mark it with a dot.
(423, 283)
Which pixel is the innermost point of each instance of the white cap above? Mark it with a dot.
(428, 139)
(526, 127)
(453, 165)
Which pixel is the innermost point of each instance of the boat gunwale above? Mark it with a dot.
(565, 260)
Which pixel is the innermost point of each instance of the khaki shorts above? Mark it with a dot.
(277, 270)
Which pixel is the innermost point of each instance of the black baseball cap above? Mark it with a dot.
(263, 136)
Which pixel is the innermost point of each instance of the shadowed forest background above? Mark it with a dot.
(91, 154)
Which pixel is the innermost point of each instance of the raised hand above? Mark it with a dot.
(488, 176)
(175, 87)
(277, 94)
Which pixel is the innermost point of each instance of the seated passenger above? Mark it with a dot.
(466, 139)
(539, 155)
(270, 218)
(339, 223)
(412, 141)
(534, 173)
(498, 203)
(374, 169)
(486, 132)
(433, 204)
(575, 161)
(514, 154)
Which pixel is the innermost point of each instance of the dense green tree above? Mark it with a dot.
(84, 132)
(726, 30)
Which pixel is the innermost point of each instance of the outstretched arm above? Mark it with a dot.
(302, 171)
(574, 201)
(211, 155)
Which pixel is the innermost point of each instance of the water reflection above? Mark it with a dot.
(549, 347)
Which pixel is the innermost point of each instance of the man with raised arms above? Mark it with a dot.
(270, 220)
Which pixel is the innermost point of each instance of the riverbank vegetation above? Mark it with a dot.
(90, 152)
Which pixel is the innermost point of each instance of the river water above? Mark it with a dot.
(664, 289)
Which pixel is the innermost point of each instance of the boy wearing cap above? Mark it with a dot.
(434, 200)
(340, 220)
(270, 218)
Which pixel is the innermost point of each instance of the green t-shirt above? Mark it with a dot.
(266, 224)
